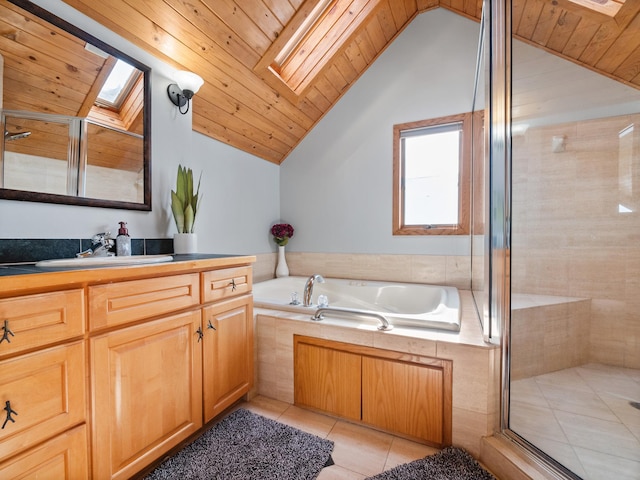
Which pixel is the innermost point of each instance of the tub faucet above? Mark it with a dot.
(308, 289)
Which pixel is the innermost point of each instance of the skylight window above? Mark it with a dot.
(310, 42)
(301, 32)
(117, 86)
(609, 8)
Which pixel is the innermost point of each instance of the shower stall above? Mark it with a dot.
(562, 271)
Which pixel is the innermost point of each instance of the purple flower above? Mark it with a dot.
(282, 232)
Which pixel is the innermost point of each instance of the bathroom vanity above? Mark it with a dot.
(104, 370)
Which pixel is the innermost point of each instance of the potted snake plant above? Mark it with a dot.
(184, 205)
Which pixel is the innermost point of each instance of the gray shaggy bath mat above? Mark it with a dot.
(449, 464)
(247, 446)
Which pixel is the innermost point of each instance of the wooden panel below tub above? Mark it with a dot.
(402, 393)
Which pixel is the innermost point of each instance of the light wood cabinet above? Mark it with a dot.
(328, 379)
(405, 398)
(104, 396)
(147, 392)
(405, 394)
(228, 353)
(226, 283)
(119, 303)
(64, 456)
(32, 321)
(45, 391)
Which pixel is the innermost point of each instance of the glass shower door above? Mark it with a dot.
(574, 386)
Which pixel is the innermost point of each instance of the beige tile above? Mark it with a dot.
(599, 435)
(561, 452)
(265, 406)
(469, 428)
(336, 472)
(264, 267)
(429, 269)
(359, 449)
(603, 466)
(582, 403)
(567, 378)
(527, 391)
(404, 451)
(529, 420)
(472, 375)
(308, 421)
(346, 334)
(458, 272)
(388, 341)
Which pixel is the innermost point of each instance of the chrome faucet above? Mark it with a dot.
(102, 245)
(308, 289)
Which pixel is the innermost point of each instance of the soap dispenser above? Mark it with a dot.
(123, 241)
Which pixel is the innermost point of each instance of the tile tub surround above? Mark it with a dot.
(443, 270)
(475, 383)
(29, 250)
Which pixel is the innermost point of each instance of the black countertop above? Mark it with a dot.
(30, 268)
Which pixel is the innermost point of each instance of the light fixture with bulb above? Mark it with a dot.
(186, 86)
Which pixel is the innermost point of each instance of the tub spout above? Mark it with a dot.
(308, 288)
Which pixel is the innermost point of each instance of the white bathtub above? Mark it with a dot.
(401, 304)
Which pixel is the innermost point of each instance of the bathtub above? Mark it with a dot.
(392, 304)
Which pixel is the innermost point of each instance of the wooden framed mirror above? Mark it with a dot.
(75, 115)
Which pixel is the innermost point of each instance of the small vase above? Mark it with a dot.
(281, 269)
(185, 243)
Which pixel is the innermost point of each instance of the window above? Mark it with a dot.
(117, 86)
(311, 39)
(431, 186)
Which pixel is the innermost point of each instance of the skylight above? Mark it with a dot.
(300, 33)
(117, 85)
(607, 7)
(310, 42)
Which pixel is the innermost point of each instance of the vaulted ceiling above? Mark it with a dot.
(263, 105)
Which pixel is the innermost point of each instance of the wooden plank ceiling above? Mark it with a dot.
(232, 44)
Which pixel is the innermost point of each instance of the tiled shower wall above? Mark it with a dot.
(569, 237)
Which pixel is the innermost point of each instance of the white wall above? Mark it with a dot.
(241, 191)
(336, 186)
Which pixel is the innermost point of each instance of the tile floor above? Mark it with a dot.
(583, 418)
(358, 452)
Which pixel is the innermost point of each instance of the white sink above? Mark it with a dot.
(104, 261)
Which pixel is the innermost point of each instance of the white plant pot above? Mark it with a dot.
(282, 270)
(185, 243)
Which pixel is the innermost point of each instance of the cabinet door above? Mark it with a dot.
(64, 457)
(327, 379)
(403, 398)
(147, 392)
(228, 353)
(46, 390)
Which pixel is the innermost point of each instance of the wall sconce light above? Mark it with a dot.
(186, 86)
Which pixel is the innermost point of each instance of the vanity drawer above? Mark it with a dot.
(64, 457)
(124, 302)
(226, 283)
(33, 321)
(46, 390)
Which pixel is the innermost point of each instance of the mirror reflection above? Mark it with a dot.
(74, 115)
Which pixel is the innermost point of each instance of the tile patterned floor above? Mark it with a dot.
(583, 418)
(358, 452)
